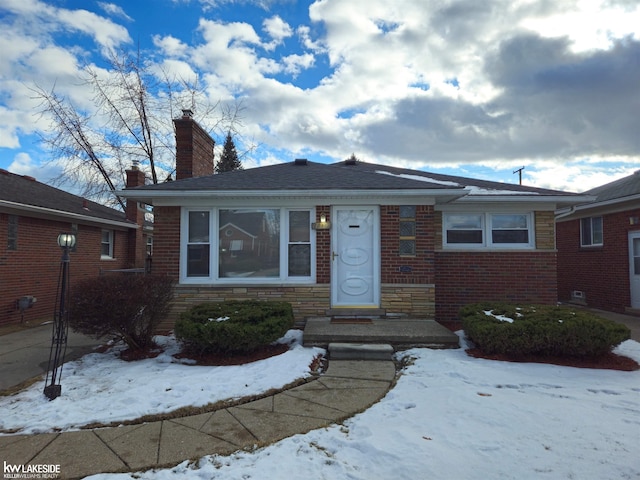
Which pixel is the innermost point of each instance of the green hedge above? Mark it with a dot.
(233, 326)
(540, 330)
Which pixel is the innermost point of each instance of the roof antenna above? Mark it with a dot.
(519, 170)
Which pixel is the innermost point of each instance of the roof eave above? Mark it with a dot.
(564, 200)
(50, 212)
(571, 210)
(148, 196)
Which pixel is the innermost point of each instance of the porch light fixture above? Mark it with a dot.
(52, 387)
(322, 224)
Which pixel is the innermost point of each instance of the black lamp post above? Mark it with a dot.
(52, 387)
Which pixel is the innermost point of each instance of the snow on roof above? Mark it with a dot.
(473, 190)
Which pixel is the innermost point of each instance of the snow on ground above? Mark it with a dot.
(102, 388)
(450, 416)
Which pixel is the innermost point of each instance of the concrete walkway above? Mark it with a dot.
(345, 389)
(24, 354)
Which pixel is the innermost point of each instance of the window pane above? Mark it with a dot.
(508, 221)
(198, 260)
(249, 243)
(299, 230)
(464, 236)
(407, 211)
(407, 247)
(106, 236)
(299, 260)
(585, 227)
(407, 229)
(198, 227)
(510, 236)
(464, 222)
(105, 250)
(596, 230)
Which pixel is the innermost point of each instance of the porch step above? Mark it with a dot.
(360, 351)
(355, 312)
(401, 334)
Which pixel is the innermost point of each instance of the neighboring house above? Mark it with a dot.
(32, 215)
(599, 248)
(352, 237)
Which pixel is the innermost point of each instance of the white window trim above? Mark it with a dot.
(213, 245)
(111, 236)
(487, 242)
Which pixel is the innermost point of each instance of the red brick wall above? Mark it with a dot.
(33, 268)
(602, 273)
(166, 241)
(467, 277)
(418, 269)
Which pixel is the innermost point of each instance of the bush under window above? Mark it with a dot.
(233, 327)
(540, 330)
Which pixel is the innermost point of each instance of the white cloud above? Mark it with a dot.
(501, 83)
(114, 10)
(277, 29)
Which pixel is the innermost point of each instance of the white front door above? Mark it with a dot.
(355, 271)
(634, 268)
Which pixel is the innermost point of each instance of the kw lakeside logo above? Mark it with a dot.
(30, 471)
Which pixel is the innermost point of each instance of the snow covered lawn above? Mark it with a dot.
(102, 388)
(450, 416)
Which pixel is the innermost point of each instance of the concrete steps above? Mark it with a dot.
(360, 351)
(401, 334)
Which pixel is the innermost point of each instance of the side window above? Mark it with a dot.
(198, 244)
(591, 232)
(106, 246)
(488, 230)
(299, 243)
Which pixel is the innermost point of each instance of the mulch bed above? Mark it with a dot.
(219, 359)
(610, 361)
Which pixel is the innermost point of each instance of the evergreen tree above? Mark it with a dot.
(229, 160)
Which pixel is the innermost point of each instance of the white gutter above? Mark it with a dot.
(48, 212)
(594, 205)
(526, 197)
(133, 193)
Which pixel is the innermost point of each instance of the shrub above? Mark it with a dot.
(540, 330)
(127, 307)
(233, 326)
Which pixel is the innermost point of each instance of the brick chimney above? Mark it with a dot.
(135, 213)
(194, 148)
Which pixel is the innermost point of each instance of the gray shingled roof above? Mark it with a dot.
(26, 191)
(617, 189)
(337, 176)
(291, 176)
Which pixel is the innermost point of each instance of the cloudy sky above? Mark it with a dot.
(467, 87)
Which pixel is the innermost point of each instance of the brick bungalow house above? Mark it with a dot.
(350, 236)
(32, 215)
(599, 248)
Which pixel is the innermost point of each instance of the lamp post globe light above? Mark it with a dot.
(52, 387)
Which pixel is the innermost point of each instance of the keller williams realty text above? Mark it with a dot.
(31, 471)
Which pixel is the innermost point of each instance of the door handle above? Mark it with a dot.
(334, 255)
